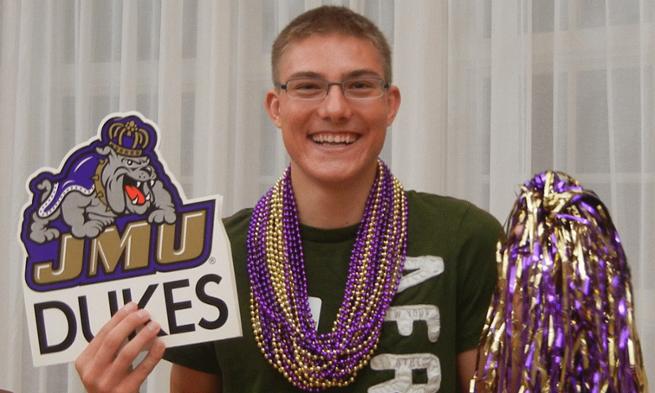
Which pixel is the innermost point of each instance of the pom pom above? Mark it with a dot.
(561, 318)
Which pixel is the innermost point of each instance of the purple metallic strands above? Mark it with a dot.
(561, 319)
(281, 318)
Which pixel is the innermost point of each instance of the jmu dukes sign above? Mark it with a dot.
(112, 226)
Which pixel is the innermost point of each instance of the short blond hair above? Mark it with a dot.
(329, 20)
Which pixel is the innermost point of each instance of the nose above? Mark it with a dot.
(335, 106)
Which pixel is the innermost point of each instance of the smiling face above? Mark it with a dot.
(334, 141)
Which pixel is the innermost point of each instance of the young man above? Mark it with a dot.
(399, 281)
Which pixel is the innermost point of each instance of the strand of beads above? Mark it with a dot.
(282, 322)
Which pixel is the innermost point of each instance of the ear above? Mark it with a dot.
(103, 150)
(272, 105)
(393, 103)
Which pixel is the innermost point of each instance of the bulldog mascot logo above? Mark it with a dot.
(112, 178)
(111, 226)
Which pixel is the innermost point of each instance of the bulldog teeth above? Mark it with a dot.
(138, 184)
(152, 183)
(135, 200)
(148, 197)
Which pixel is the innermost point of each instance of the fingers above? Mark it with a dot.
(119, 372)
(142, 340)
(105, 364)
(91, 349)
(115, 338)
(141, 372)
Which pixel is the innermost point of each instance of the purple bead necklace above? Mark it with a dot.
(280, 314)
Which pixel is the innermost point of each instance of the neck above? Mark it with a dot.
(330, 206)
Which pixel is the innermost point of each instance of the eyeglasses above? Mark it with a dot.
(360, 88)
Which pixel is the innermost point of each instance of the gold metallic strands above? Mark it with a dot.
(561, 319)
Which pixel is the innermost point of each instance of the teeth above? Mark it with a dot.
(135, 200)
(152, 183)
(346, 138)
(138, 184)
(148, 197)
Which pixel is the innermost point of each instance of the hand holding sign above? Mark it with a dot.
(106, 363)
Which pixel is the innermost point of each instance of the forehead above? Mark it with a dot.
(134, 159)
(332, 56)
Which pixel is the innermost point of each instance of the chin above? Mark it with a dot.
(335, 173)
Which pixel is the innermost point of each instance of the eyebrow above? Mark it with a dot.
(305, 74)
(351, 74)
(363, 72)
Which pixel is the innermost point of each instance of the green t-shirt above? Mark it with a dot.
(439, 310)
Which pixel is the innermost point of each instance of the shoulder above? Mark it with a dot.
(456, 216)
(238, 220)
(236, 227)
(450, 227)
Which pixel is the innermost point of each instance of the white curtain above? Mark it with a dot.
(493, 91)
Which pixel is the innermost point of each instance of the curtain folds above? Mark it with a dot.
(492, 92)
